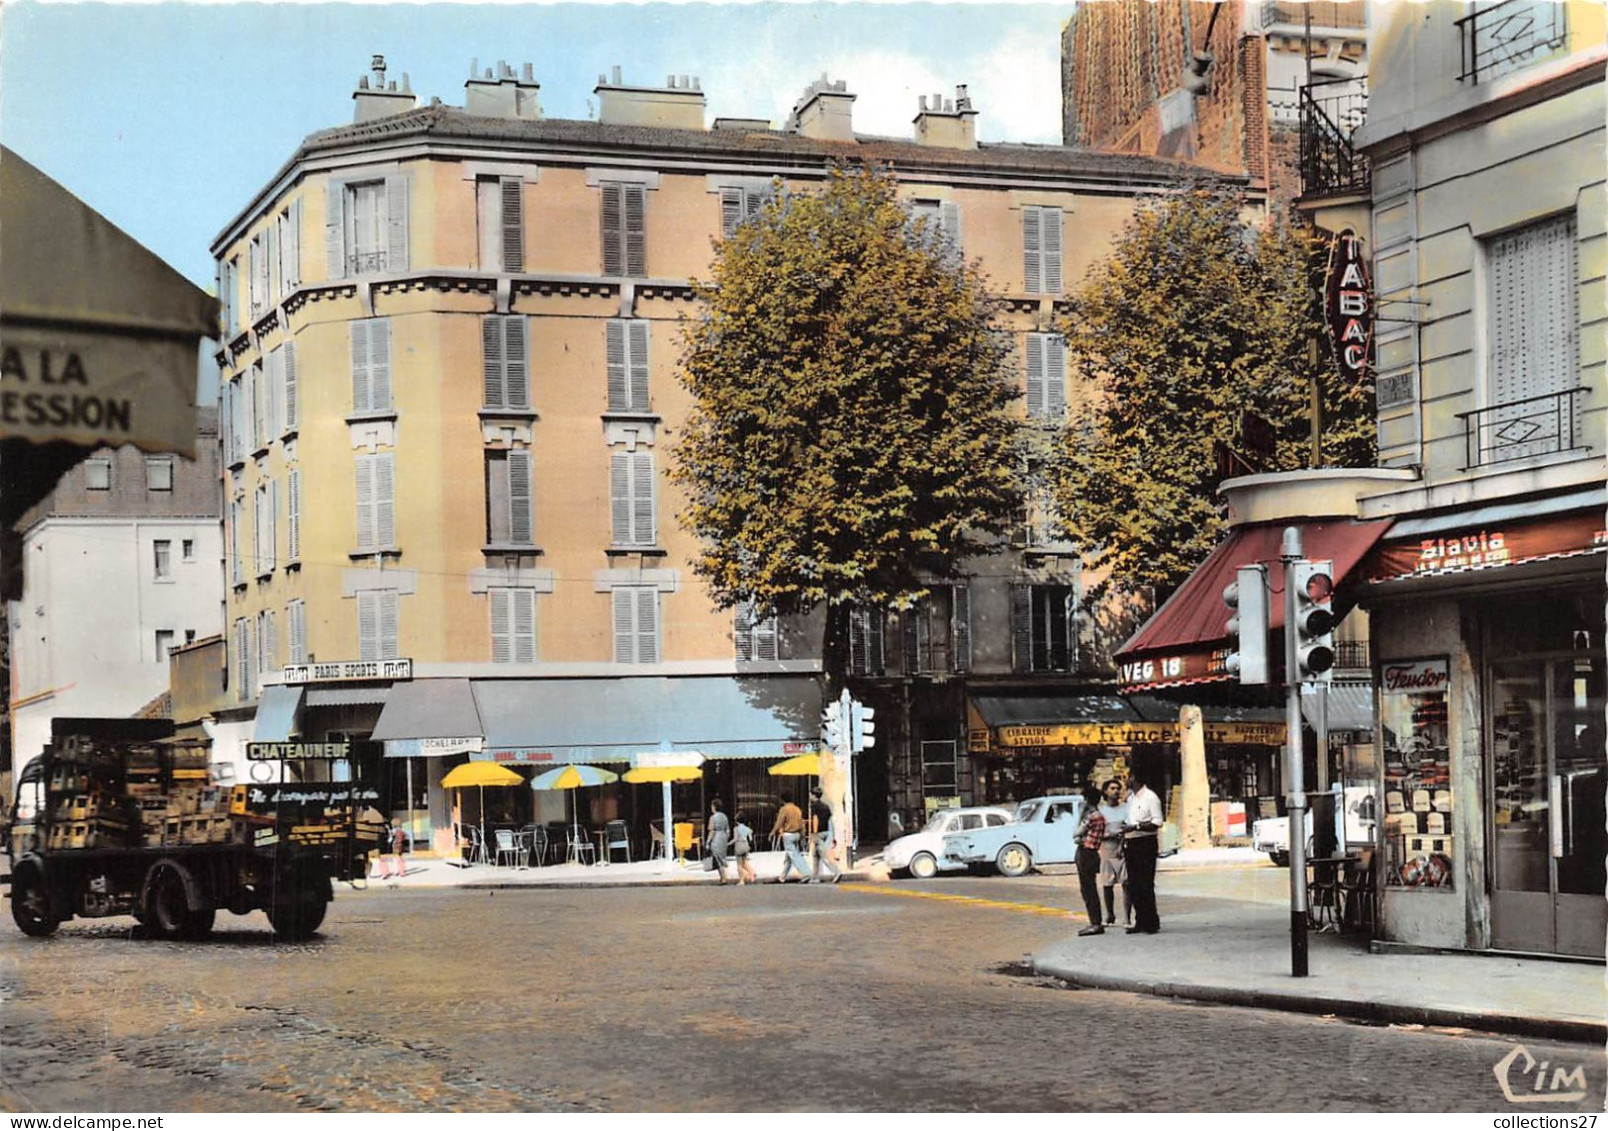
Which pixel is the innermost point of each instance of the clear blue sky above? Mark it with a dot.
(166, 118)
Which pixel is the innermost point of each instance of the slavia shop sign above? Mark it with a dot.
(1489, 547)
(1348, 306)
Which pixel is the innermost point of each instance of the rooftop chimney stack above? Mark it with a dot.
(947, 124)
(500, 93)
(825, 112)
(678, 105)
(376, 98)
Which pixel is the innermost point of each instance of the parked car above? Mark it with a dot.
(921, 853)
(1272, 834)
(1041, 833)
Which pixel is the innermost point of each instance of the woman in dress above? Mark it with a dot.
(716, 833)
(1113, 870)
(742, 840)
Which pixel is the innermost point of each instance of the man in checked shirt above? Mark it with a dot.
(1090, 832)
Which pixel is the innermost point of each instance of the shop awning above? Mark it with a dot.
(1011, 710)
(357, 695)
(1498, 537)
(1182, 642)
(100, 335)
(276, 713)
(430, 717)
(1350, 706)
(550, 721)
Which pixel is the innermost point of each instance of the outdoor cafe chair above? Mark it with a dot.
(656, 846)
(558, 834)
(535, 843)
(686, 841)
(580, 847)
(619, 836)
(473, 843)
(509, 848)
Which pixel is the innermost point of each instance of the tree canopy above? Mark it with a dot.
(852, 434)
(1196, 317)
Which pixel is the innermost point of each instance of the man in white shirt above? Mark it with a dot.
(1145, 818)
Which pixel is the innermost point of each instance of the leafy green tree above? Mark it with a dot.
(852, 433)
(1196, 317)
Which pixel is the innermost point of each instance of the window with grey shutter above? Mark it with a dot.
(756, 636)
(636, 624)
(631, 499)
(225, 306)
(259, 406)
(237, 564)
(624, 229)
(1534, 338)
(1046, 376)
(289, 224)
(371, 365)
(376, 501)
(292, 390)
(513, 223)
(513, 625)
(865, 642)
(296, 630)
(377, 624)
(293, 515)
(1022, 628)
(274, 399)
(505, 360)
(915, 638)
(627, 355)
(960, 626)
(943, 223)
(736, 205)
(1041, 250)
(242, 660)
(256, 267)
(226, 427)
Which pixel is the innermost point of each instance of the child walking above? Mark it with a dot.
(742, 842)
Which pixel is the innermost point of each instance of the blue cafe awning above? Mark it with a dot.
(551, 721)
(276, 712)
(426, 717)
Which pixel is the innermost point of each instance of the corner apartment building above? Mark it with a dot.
(1287, 84)
(122, 566)
(449, 383)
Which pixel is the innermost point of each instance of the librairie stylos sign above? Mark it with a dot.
(348, 671)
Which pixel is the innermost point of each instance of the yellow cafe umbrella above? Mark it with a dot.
(684, 765)
(802, 766)
(480, 774)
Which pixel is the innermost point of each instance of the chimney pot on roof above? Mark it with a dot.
(377, 98)
(407, 85)
(617, 81)
(678, 104)
(362, 82)
(474, 67)
(528, 72)
(825, 112)
(947, 123)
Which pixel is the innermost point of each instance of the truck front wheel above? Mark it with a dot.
(30, 905)
(297, 911)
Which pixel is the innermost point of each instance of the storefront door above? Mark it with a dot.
(1548, 774)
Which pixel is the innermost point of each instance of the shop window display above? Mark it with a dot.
(1418, 819)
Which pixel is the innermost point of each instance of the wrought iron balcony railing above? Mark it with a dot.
(1322, 13)
(1503, 37)
(1331, 111)
(1534, 426)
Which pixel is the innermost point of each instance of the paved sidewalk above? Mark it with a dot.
(426, 872)
(1237, 952)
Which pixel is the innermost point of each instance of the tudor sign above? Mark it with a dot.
(1348, 306)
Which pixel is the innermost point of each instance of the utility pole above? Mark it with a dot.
(1291, 554)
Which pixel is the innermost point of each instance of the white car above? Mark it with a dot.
(921, 853)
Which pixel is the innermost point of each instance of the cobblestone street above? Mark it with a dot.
(853, 997)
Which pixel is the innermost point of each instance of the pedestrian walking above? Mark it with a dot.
(1113, 868)
(1139, 844)
(790, 827)
(742, 840)
(825, 832)
(1090, 835)
(716, 833)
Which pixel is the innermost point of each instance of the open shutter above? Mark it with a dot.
(960, 625)
(1052, 251)
(765, 643)
(619, 389)
(491, 360)
(290, 249)
(385, 499)
(380, 362)
(1032, 252)
(912, 618)
(225, 422)
(1069, 611)
(362, 387)
(292, 390)
(744, 627)
(396, 224)
(521, 521)
(1022, 628)
(293, 632)
(624, 625)
(368, 624)
(1035, 375)
(388, 627)
(642, 524)
(516, 361)
(647, 625)
(274, 397)
(293, 515)
(502, 645)
(637, 366)
(620, 497)
(731, 210)
(513, 223)
(273, 524)
(950, 219)
(524, 626)
(636, 232)
(273, 276)
(365, 503)
(613, 230)
(1055, 376)
(335, 230)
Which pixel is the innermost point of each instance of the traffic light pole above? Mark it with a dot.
(1291, 554)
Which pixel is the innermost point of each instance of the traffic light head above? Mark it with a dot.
(863, 733)
(832, 726)
(1313, 583)
(1246, 598)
